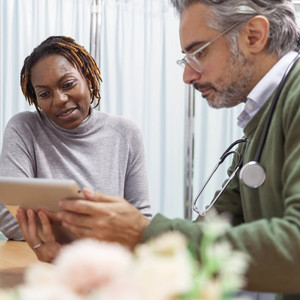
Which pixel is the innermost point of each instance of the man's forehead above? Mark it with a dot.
(194, 24)
(195, 15)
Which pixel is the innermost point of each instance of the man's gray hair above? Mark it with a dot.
(284, 34)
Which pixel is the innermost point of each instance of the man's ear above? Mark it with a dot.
(255, 35)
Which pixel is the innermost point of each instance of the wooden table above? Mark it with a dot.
(15, 257)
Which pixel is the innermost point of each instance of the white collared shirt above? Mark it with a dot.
(264, 89)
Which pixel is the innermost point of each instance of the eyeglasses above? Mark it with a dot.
(238, 165)
(193, 59)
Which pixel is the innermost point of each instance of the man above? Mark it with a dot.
(236, 51)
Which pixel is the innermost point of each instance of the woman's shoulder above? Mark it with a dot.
(119, 123)
(23, 119)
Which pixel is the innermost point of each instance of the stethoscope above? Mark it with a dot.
(253, 174)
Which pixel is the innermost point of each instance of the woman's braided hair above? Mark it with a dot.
(74, 53)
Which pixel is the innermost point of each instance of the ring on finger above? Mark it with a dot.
(37, 245)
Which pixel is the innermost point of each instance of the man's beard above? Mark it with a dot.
(228, 93)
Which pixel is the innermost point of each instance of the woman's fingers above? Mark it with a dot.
(21, 217)
(28, 226)
(32, 225)
(46, 227)
(47, 248)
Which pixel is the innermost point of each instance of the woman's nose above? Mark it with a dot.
(59, 98)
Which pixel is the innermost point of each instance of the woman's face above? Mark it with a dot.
(61, 91)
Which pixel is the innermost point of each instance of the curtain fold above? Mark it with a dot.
(140, 45)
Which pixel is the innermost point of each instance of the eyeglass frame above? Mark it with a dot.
(238, 166)
(182, 62)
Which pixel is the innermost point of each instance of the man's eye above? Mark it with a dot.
(199, 54)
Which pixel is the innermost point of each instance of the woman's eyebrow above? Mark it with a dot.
(60, 79)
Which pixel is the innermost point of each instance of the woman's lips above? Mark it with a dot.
(66, 112)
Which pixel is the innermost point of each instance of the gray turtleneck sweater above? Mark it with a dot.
(104, 153)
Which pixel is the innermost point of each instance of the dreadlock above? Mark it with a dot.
(74, 53)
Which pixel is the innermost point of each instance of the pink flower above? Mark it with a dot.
(88, 264)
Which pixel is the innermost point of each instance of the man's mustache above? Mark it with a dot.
(200, 87)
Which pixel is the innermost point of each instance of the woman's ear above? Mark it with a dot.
(255, 34)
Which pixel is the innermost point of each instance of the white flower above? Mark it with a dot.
(122, 288)
(87, 264)
(47, 292)
(211, 290)
(44, 272)
(215, 225)
(167, 244)
(164, 267)
(229, 264)
(9, 294)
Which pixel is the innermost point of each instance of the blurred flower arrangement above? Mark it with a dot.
(162, 269)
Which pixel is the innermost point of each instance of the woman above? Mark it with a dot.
(66, 137)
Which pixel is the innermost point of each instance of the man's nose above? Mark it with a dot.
(190, 75)
(59, 98)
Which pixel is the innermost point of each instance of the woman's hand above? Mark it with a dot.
(46, 248)
(103, 217)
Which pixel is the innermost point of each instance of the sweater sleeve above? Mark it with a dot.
(15, 161)
(136, 184)
(267, 220)
(17, 155)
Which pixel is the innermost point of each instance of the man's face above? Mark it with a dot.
(225, 80)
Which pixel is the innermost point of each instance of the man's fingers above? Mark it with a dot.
(84, 207)
(79, 231)
(51, 215)
(99, 197)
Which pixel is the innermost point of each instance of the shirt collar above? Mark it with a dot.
(264, 88)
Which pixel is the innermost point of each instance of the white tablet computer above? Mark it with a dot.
(37, 193)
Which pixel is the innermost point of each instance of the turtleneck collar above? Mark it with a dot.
(87, 124)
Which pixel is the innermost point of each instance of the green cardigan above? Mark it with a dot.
(267, 219)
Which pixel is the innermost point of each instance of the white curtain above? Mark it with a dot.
(139, 47)
(141, 81)
(23, 25)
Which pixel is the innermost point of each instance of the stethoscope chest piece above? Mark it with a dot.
(252, 174)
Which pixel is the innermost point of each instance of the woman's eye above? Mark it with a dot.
(68, 84)
(43, 94)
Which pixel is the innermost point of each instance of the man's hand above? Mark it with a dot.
(103, 217)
